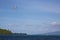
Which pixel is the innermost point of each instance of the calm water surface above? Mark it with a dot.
(29, 37)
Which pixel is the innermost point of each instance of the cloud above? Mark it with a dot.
(30, 28)
(55, 24)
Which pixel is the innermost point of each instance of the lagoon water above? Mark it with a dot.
(29, 37)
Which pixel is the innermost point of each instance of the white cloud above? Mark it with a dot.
(55, 24)
(31, 28)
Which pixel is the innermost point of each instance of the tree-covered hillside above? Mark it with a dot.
(5, 32)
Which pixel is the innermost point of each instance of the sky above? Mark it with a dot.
(30, 16)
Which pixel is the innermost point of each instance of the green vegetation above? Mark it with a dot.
(5, 32)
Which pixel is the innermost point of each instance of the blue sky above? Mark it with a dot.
(30, 16)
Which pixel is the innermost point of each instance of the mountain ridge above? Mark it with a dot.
(53, 33)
